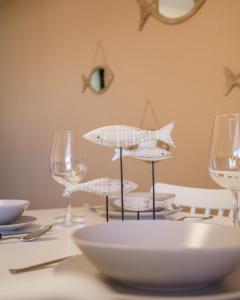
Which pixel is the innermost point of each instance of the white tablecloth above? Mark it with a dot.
(76, 278)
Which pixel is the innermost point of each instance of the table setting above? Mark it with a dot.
(130, 245)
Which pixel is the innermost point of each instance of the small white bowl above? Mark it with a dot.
(162, 254)
(11, 209)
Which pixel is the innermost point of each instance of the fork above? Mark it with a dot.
(37, 266)
(29, 237)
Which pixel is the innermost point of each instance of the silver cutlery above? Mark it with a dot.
(37, 266)
(193, 217)
(30, 236)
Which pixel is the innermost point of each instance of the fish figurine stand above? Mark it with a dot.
(121, 137)
(153, 190)
(121, 178)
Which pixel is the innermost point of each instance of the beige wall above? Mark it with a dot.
(45, 46)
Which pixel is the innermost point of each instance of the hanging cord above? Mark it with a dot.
(148, 105)
(99, 49)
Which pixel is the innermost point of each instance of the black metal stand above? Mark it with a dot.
(107, 214)
(121, 173)
(138, 215)
(153, 190)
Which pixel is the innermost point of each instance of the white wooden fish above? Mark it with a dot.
(101, 186)
(147, 154)
(144, 203)
(125, 136)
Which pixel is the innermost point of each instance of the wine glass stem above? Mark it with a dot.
(236, 222)
(69, 211)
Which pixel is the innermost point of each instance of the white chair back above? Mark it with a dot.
(199, 198)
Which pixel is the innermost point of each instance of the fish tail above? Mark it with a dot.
(230, 80)
(117, 154)
(164, 134)
(71, 188)
(85, 83)
(67, 192)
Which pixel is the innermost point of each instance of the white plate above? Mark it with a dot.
(18, 224)
(101, 210)
(142, 202)
(161, 254)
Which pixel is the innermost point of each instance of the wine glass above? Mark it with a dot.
(67, 166)
(224, 157)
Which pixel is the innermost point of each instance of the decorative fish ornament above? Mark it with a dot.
(99, 79)
(153, 8)
(232, 81)
(147, 154)
(143, 203)
(125, 136)
(101, 186)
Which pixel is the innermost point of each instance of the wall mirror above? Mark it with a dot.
(101, 76)
(99, 80)
(168, 11)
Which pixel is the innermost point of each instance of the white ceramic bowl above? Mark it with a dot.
(11, 209)
(163, 254)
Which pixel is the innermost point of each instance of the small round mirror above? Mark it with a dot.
(100, 79)
(174, 9)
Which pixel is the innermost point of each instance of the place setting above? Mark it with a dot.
(15, 225)
(11, 215)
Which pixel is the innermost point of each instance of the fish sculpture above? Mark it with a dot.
(126, 136)
(232, 81)
(101, 186)
(147, 154)
(141, 203)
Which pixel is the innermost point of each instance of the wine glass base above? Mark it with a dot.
(68, 223)
(73, 219)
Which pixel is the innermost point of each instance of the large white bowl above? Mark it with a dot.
(162, 254)
(11, 209)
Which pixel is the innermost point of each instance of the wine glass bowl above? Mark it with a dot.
(67, 165)
(224, 157)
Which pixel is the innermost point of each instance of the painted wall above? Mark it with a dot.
(45, 46)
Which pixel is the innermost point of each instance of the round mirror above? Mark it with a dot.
(174, 8)
(100, 79)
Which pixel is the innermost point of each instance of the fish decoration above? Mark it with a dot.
(232, 81)
(145, 204)
(126, 136)
(101, 186)
(99, 79)
(147, 154)
(151, 8)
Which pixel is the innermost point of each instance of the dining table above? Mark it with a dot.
(75, 277)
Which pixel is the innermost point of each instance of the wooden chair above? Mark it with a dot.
(200, 200)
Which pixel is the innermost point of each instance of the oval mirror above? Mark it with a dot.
(174, 8)
(168, 11)
(99, 80)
